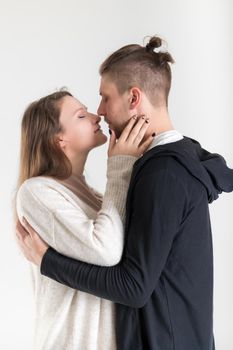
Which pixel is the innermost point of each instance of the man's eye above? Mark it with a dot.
(104, 98)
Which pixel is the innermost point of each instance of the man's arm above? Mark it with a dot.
(157, 210)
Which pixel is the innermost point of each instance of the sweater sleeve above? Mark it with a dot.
(157, 209)
(65, 226)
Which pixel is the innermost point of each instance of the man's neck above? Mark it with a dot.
(159, 121)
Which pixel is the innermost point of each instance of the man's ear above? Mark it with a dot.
(135, 97)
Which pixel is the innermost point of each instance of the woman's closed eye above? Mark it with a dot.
(81, 116)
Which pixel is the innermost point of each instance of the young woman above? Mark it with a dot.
(57, 134)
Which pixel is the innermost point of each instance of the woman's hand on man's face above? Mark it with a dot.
(31, 245)
(130, 141)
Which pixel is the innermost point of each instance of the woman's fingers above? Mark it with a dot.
(112, 141)
(125, 133)
(129, 143)
(144, 146)
(141, 120)
(139, 131)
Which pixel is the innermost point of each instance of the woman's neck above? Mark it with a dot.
(78, 163)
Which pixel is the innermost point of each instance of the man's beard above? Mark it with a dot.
(117, 133)
(118, 130)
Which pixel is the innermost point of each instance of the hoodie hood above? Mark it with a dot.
(208, 168)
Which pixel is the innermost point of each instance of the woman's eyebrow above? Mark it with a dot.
(80, 109)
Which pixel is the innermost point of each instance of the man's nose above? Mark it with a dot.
(100, 110)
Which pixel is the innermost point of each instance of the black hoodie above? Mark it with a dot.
(163, 285)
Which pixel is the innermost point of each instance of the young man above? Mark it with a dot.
(163, 285)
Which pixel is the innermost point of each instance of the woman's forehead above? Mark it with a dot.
(71, 105)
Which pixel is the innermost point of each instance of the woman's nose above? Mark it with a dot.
(96, 119)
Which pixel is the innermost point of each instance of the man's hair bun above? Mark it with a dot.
(161, 57)
(154, 43)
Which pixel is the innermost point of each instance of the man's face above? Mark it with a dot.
(114, 107)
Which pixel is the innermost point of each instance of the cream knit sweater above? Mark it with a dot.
(67, 319)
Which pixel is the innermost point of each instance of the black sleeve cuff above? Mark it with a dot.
(48, 263)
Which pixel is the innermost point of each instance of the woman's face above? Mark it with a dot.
(81, 129)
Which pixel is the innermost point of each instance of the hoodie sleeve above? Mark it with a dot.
(157, 210)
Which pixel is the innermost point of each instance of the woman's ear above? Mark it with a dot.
(61, 141)
(135, 98)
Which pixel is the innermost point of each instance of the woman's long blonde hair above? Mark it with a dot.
(40, 153)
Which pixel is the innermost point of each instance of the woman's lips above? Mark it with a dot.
(99, 128)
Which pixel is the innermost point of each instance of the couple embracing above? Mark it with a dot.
(131, 269)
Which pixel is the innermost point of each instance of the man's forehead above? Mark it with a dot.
(106, 85)
(103, 85)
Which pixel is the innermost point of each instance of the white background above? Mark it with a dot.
(45, 45)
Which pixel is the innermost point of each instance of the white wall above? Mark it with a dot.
(47, 44)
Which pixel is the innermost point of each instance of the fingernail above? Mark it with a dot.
(153, 135)
(110, 131)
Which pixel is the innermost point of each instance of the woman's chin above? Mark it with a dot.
(104, 140)
(101, 140)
